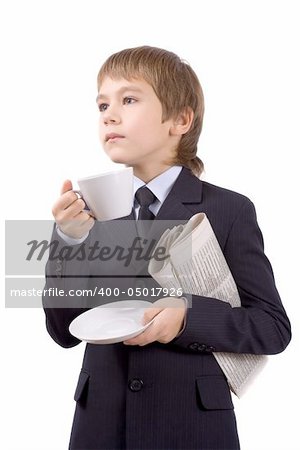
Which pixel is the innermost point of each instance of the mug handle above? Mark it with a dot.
(86, 209)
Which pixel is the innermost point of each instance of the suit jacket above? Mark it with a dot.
(175, 396)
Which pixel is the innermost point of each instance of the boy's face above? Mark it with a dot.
(131, 128)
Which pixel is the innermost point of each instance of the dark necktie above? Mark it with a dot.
(145, 198)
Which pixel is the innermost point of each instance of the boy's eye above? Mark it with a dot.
(129, 100)
(102, 107)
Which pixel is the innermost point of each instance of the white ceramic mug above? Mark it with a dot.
(108, 195)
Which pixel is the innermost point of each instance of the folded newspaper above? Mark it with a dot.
(197, 265)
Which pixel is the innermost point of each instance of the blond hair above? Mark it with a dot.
(175, 84)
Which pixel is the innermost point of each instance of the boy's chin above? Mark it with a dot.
(120, 159)
(117, 157)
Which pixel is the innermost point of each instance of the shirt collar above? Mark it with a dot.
(160, 185)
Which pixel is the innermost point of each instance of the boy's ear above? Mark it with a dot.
(182, 123)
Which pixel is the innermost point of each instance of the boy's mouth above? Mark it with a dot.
(113, 137)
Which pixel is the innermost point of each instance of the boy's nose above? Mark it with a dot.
(111, 116)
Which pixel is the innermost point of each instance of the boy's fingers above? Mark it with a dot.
(67, 186)
(162, 303)
(64, 202)
(73, 213)
(85, 220)
(89, 223)
(150, 313)
(73, 207)
(146, 337)
(82, 222)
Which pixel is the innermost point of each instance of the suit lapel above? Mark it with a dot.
(180, 205)
(187, 190)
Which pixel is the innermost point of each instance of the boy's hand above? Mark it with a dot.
(169, 314)
(69, 215)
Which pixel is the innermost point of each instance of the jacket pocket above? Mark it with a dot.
(82, 385)
(214, 392)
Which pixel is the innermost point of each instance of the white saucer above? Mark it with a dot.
(111, 322)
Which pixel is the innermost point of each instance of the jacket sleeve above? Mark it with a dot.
(66, 272)
(260, 325)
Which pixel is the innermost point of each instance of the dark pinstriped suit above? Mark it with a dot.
(175, 396)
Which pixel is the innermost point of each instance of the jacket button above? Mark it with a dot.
(202, 348)
(135, 385)
(211, 348)
(194, 346)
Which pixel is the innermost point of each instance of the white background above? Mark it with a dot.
(246, 54)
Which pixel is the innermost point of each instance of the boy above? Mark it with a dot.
(164, 389)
